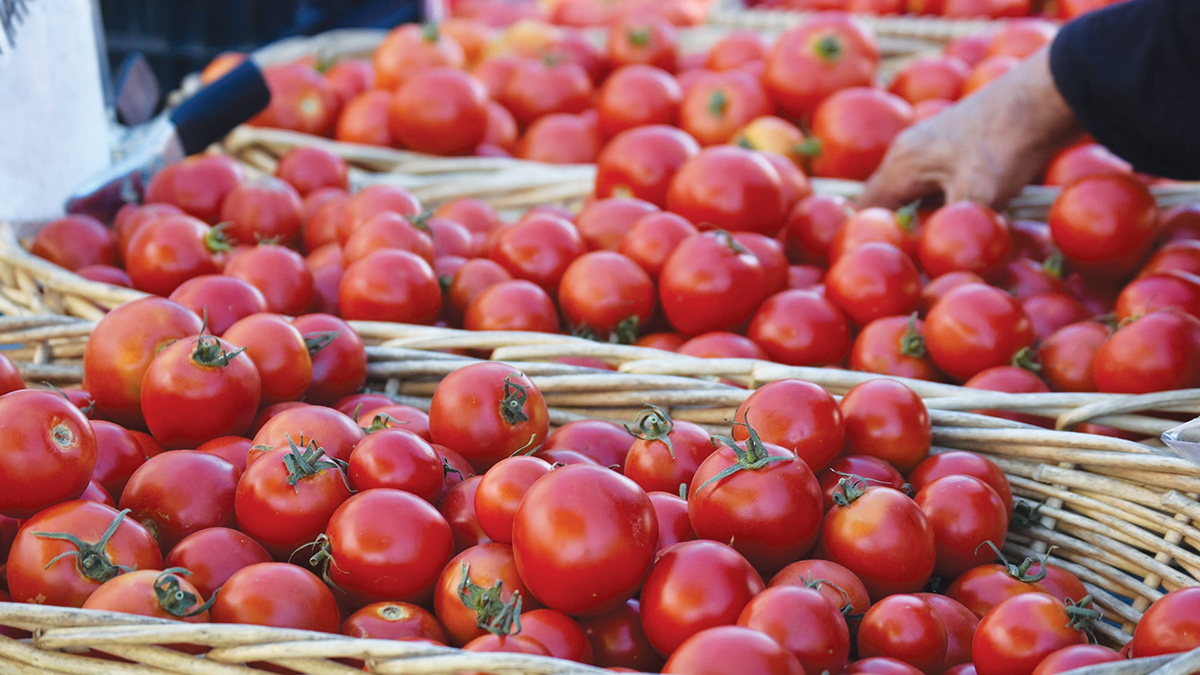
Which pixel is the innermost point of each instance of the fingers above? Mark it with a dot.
(908, 172)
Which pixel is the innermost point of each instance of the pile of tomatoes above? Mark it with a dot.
(257, 484)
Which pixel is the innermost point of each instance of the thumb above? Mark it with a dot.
(899, 180)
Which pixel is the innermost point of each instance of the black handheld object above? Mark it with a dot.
(216, 109)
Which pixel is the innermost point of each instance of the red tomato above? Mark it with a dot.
(486, 412)
(197, 185)
(970, 48)
(729, 188)
(561, 138)
(471, 280)
(721, 103)
(1048, 312)
(618, 640)
(964, 236)
(804, 622)
(770, 509)
(410, 49)
(772, 134)
(267, 209)
(278, 595)
(736, 49)
(860, 471)
(880, 665)
(372, 201)
(51, 452)
(960, 626)
(364, 119)
(606, 294)
(797, 415)
(159, 594)
(988, 70)
(641, 162)
(854, 128)
(812, 225)
(894, 345)
(727, 650)
(398, 459)
(388, 230)
(1077, 656)
(75, 242)
(584, 520)
(538, 249)
(905, 628)
(671, 511)
(1021, 631)
(975, 327)
(1146, 294)
(926, 78)
(1026, 278)
(393, 621)
(1013, 379)
(604, 222)
(646, 40)
(278, 351)
(821, 55)
(390, 285)
(801, 328)
(1021, 37)
(652, 239)
(666, 453)
(332, 431)
(1156, 352)
(537, 89)
(500, 491)
(937, 288)
(154, 498)
(1060, 583)
(1084, 161)
(170, 250)
(1104, 224)
(221, 299)
(838, 579)
(10, 377)
(636, 96)
(106, 274)
(456, 121)
(65, 552)
(873, 281)
(1067, 356)
(558, 633)
(710, 282)
(1169, 625)
(309, 168)
(338, 356)
(1181, 223)
(280, 273)
(899, 228)
(512, 644)
(212, 556)
(1031, 239)
(982, 588)
(479, 586)
(458, 508)
(887, 420)
(964, 513)
(805, 277)
(962, 463)
(883, 537)
(721, 345)
(605, 442)
(403, 417)
(301, 100)
(198, 389)
(513, 305)
(1182, 256)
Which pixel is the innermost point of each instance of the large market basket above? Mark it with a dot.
(1119, 514)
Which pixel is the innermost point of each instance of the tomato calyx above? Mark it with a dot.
(653, 424)
(753, 457)
(447, 469)
(847, 607)
(322, 559)
(810, 148)
(638, 37)
(718, 102)
(828, 47)
(528, 449)
(176, 601)
(491, 612)
(381, 422)
(1027, 358)
(1053, 265)
(216, 241)
(1020, 572)
(315, 342)
(429, 32)
(310, 462)
(906, 217)
(92, 560)
(1083, 618)
(912, 343)
(744, 142)
(210, 354)
(726, 239)
(512, 408)
(1025, 514)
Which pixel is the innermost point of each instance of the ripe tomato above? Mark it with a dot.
(887, 420)
(719, 104)
(797, 415)
(727, 650)
(983, 587)
(960, 626)
(618, 640)
(280, 273)
(810, 574)
(512, 644)
(1048, 312)
(854, 128)
(502, 131)
(372, 201)
(821, 55)
(176, 494)
(364, 119)
(584, 520)
(480, 586)
(693, 586)
(1021, 37)
(267, 209)
(106, 274)
(561, 138)
(812, 225)
(666, 453)
(197, 185)
(220, 299)
(721, 345)
(905, 628)
(212, 556)
(975, 327)
(390, 285)
(471, 280)
(439, 110)
(410, 49)
(874, 281)
(516, 305)
(486, 412)
(536, 89)
(964, 236)
(801, 328)
(605, 442)
(770, 255)
(671, 512)
(500, 491)
(962, 463)
(338, 356)
(926, 78)
(558, 633)
(398, 459)
(641, 162)
(643, 39)
(729, 188)
(539, 248)
(894, 345)
(860, 470)
(301, 100)
(1156, 352)
(899, 228)
(1021, 631)
(880, 665)
(1015, 379)
(1146, 294)
(883, 537)
(393, 621)
(397, 416)
(1182, 256)
(607, 295)
(1067, 355)
(802, 621)
(75, 242)
(937, 288)
(118, 455)
(736, 49)
(160, 594)
(710, 282)
(770, 509)
(279, 353)
(388, 230)
(964, 513)
(1077, 656)
(279, 595)
(400, 557)
(1104, 224)
(308, 168)
(1083, 161)
(604, 222)
(652, 239)
(169, 251)
(635, 96)
(1025, 278)
(285, 498)
(458, 508)
(198, 389)
(66, 551)
(332, 431)
(1169, 625)
(51, 452)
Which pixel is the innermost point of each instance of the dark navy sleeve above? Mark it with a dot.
(1131, 73)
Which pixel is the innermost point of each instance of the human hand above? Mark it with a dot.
(985, 148)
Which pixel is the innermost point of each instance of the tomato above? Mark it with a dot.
(964, 513)
(500, 491)
(975, 327)
(857, 469)
(983, 587)
(513, 305)
(1014, 379)
(710, 282)
(719, 104)
(1155, 352)
(538, 249)
(398, 459)
(937, 288)
(267, 209)
(156, 496)
(51, 452)
(1169, 625)
(65, 552)
(641, 162)
(803, 621)
(1031, 239)
(646, 40)
(95, 492)
(278, 351)
(397, 416)
(10, 377)
(721, 345)
(607, 295)
(480, 586)
(301, 100)
(667, 452)
(899, 228)
(652, 239)
(987, 71)
(1181, 256)
(905, 628)
(280, 273)
(1025, 278)
(160, 594)
(1084, 161)
(605, 442)
(198, 389)
(880, 665)
(285, 498)
(279, 595)
(501, 130)
(636, 96)
(371, 201)
(332, 431)
(1021, 37)
(797, 415)
(801, 328)
(338, 356)
(873, 281)
(561, 138)
(668, 342)
(486, 412)
(618, 640)
(512, 644)
(964, 236)
(604, 222)
(212, 555)
(410, 49)
(1172, 288)
(364, 119)
(1077, 656)
(393, 621)
(729, 188)
(471, 280)
(812, 225)
(197, 185)
(106, 274)
(887, 420)
(220, 299)
(309, 168)
(770, 255)
(455, 125)
(971, 48)
(883, 537)
(388, 230)
(1181, 223)
(1060, 583)
(390, 285)
(939, 77)
(1018, 633)
(1104, 224)
(727, 650)
(693, 586)
(671, 512)
(894, 345)
(458, 508)
(1048, 312)
(737, 48)
(169, 251)
(960, 625)
(589, 521)
(537, 89)
(75, 242)
(854, 128)
(150, 447)
(1067, 355)
(822, 54)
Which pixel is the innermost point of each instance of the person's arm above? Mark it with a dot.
(1140, 102)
